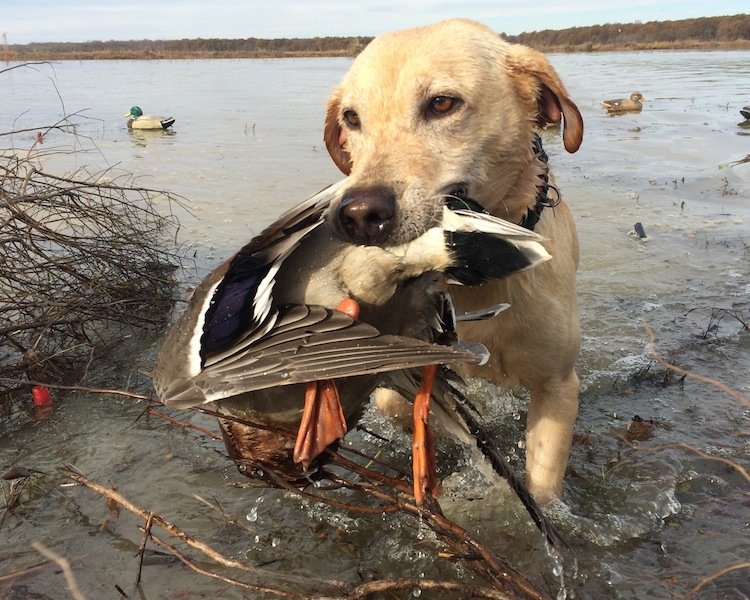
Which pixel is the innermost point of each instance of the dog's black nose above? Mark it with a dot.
(366, 214)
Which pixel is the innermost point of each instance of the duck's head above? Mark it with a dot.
(135, 112)
(636, 97)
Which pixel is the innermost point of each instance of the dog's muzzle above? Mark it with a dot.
(366, 215)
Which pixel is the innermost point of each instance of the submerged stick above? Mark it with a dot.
(63, 563)
(725, 571)
(142, 549)
(342, 589)
(690, 374)
(187, 539)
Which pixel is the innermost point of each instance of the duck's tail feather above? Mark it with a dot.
(463, 408)
(459, 418)
(483, 313)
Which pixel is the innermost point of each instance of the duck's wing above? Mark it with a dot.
(233, 305)
(240, 307)
(307, 343)
(485, 247)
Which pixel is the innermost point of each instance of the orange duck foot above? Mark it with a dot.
(423, 446)
(323, 421)
(322, 424)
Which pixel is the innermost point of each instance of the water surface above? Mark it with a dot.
(645, 522)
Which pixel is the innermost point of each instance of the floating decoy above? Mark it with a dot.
(296, 330)
(623, 105)
(137, 120)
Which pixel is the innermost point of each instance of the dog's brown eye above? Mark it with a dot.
(442, 105)
(351, 118)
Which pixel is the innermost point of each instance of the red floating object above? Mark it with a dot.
(41, 396)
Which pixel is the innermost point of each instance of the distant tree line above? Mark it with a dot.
(706, 32)
(189, 48)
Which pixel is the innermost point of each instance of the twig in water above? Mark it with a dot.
(23, 572)
(725, 571)
(63, 563)
(688, 448)
(175, 531)
(689, 374)
(142, 549)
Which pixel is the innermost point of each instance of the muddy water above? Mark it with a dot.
(644, 522)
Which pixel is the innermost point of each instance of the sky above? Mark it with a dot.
(25, 21)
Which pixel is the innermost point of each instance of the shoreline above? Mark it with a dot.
(9, 54)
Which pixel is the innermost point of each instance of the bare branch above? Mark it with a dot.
(63, 563)
(725, 571)
(689, 374)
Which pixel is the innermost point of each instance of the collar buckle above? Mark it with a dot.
(543, 200)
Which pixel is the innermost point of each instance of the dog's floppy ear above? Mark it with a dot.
(547, 90)
(335, 136)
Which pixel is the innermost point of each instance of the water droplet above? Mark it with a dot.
(252, 516)
(275, 542)
(285, 375)
(257, 539)
(416, 592)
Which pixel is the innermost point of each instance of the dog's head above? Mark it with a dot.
(431, 111)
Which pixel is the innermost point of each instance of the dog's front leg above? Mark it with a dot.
(549, 432)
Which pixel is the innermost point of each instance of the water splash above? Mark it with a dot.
(653, 505)
(558, 570)
(252, 515)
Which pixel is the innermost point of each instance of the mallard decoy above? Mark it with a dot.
(137, 120)
(623, 105)
(299, 327)
(745, 112)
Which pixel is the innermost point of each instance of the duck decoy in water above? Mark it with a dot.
(296, 330)
(137, 120)
(745, 112)
(623, 105)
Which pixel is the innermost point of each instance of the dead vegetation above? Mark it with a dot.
(352, 482)
(370, 492)
(84, 258)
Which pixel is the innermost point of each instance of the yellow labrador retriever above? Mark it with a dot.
(452, 109)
